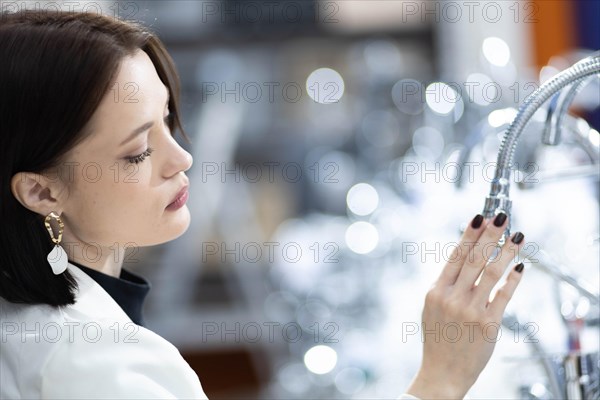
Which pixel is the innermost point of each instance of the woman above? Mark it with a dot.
(89, 105)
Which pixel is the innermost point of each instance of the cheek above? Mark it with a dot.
(134, 194)
(124, 209)
(114, 192)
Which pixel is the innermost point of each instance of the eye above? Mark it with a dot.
(141, 157)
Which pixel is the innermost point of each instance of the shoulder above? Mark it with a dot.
(28, 333)
(86, 350)
(118, 360)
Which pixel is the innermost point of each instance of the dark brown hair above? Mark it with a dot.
(55, 69)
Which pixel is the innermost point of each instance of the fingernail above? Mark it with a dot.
(476, 223)
(518, 238)
(499, 220)
(519, 267)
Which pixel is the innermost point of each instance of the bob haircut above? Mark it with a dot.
(56, 67)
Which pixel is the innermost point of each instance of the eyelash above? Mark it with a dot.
(141, 157)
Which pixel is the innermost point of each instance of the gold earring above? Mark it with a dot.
(57, 258)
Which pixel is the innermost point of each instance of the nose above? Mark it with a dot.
(188, 160)
(177, 159)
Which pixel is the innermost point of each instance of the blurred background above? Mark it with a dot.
(339, 148)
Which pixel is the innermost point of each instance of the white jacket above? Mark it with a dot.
(90, 349)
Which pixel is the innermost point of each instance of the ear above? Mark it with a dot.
(38, 193)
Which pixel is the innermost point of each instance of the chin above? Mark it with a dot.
(178, 225)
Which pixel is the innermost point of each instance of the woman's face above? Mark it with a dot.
(111, 202)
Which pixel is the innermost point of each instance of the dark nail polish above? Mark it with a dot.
(518, 238)
(519, 267)
(476, 223)
(499, 220)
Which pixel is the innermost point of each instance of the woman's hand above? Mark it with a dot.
(460, 324)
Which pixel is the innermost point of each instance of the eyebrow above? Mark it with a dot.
(144, 127)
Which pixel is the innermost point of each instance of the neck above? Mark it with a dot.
(102, 259)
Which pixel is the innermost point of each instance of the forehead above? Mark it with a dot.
(138, 74)
(135, 96)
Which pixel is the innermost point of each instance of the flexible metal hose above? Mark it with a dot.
(498, 200)
(571, 75)
(559, 106)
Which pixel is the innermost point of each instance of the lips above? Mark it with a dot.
(179, 194)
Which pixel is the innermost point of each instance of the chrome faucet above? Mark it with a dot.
(498, 200)
(575, 375)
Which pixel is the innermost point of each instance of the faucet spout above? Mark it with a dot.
(498, 199)
(559, 106)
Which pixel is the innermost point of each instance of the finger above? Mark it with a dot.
(494, 270)
(480, 253)
(505, 293)
(459, 254)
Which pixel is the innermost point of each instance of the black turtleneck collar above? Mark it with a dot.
(128, 290)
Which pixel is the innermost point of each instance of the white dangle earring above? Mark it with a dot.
(57, 258)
